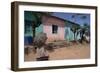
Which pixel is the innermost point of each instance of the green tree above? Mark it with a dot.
(83, 30)
(35, 19)
(75, 29)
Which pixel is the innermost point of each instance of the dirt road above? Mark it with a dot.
(78, 51)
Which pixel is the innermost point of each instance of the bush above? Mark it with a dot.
(40, 40)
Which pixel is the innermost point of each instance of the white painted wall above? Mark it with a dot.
(5, 38)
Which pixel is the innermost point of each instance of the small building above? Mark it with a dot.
(56, 29)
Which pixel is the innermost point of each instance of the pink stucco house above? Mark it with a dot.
(53, 27)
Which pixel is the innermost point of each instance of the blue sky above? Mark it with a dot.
(77, 19)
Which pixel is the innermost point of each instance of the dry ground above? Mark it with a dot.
(76, 51)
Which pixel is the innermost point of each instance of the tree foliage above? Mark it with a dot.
(85, 30)
(35, 19)
(75, 29)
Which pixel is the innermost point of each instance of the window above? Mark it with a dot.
(54, 29)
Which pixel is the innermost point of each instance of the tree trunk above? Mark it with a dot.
(33, 32)
(82, 39)
(74, 36)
